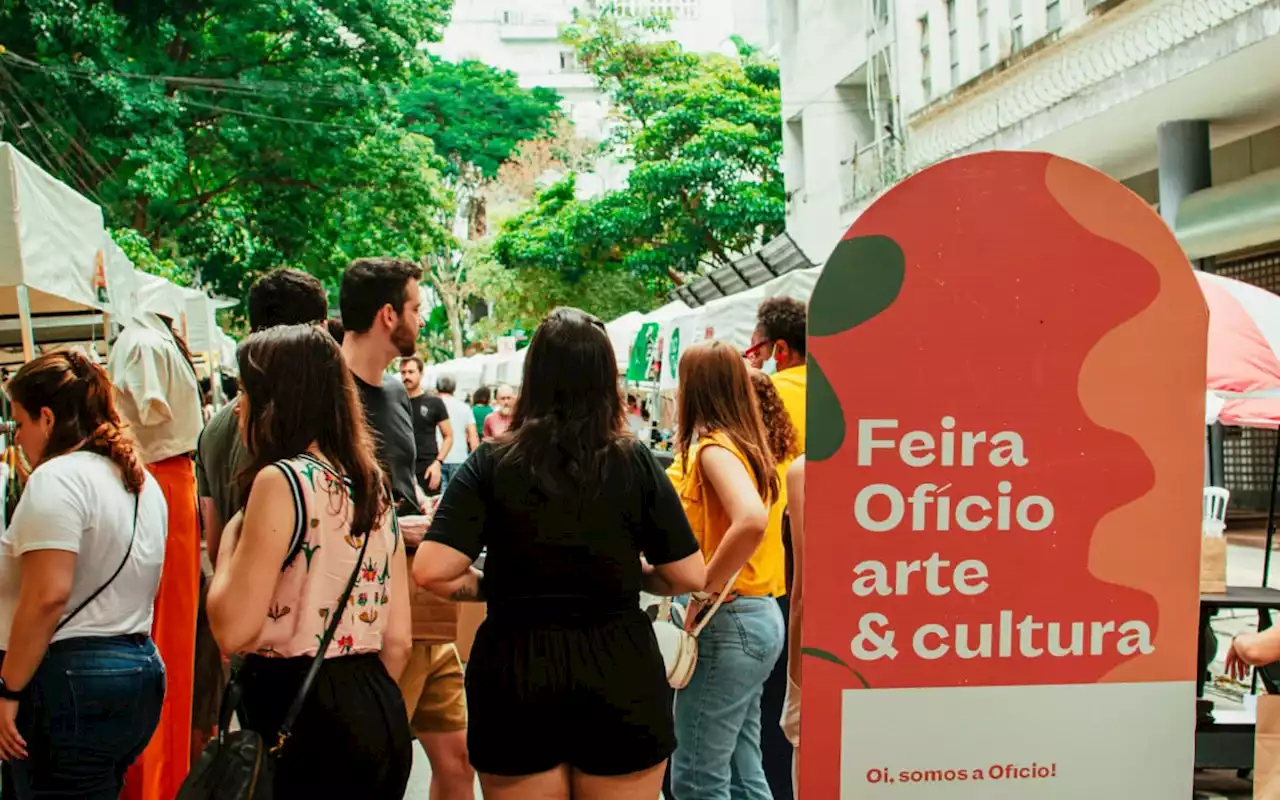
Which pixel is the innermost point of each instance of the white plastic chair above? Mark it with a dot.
(1214, 509)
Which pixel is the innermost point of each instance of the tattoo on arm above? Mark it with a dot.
(471, 590)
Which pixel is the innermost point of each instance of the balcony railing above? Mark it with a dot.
(872, 170)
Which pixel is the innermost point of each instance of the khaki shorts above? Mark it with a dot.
(433, 689)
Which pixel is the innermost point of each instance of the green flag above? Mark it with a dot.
(642, 352)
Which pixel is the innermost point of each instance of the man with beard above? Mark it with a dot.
(381, 315)
(499, 421)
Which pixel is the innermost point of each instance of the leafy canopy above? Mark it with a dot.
(237, 134)
(476, 115)
(703, 134)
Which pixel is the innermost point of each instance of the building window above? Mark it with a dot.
(926, 65)
(953, 43)
(569, 61)
(675, 9)
(984, 37)
(1053, 15)
(1017, 39)
(882, 12)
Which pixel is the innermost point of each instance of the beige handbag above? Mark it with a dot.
(680, 647)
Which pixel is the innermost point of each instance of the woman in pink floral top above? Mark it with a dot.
(314, 491)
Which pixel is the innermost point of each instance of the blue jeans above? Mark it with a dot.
(447, 471)
(89, 712)
(718, 714)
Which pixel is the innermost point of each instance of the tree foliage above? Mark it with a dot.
(703, 134)
(477, 115)
(238, 135)
(522, 297)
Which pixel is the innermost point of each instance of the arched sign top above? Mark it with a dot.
(1005, 453)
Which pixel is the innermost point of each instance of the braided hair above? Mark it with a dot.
(80, 396)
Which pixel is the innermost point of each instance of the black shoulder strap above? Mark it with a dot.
(128, 550)
(286, 727)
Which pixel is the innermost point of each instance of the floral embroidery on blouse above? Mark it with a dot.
(317, 569)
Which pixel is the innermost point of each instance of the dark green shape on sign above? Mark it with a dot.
(823, 655)
(862, 277)
(826, 417)
(642, 352)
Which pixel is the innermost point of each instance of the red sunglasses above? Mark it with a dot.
(755, 348)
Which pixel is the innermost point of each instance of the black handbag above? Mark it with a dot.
(239, 765)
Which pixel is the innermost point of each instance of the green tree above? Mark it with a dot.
(478, 117)
(138, 250)
(235, 134)
(703, 133)
(522, 297)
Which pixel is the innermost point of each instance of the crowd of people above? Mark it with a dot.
(331, 477)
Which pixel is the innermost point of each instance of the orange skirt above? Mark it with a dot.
(159, 771)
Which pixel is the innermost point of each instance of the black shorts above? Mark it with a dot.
(592, 695)
(352, 737)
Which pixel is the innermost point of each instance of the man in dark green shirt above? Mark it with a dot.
(281, 297)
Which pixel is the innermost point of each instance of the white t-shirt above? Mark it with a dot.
(460, 416)
(77, 503)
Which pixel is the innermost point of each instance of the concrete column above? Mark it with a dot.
(1183, 151)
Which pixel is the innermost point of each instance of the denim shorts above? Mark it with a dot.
(88, 714)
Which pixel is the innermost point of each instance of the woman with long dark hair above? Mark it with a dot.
(728, 479)
(314, 493)
(566, 687)
(81, 683)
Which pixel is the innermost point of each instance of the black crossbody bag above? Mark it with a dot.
(127, 552)
(240, 765)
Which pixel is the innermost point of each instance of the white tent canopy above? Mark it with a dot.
(730, 318)
(52, 262)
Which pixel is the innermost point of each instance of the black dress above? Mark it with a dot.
(565, 669)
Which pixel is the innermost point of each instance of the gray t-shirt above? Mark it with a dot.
(220, 456)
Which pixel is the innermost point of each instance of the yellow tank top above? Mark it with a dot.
(765, 573)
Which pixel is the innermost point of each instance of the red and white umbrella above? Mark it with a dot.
(1244, 352)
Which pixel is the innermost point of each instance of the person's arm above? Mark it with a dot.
(213, 524)
(473, 441)
(446, 444)
(210, 519)
(45, 532)
(443, 563)
(253, 549)
(1252, 650)
(795, 507)
(47, 576)
(748, 518)
(144, 379)
(447, 573)
(397, 639)
(672, 564)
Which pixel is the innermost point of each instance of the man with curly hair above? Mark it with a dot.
(778, 347)
(779, 338)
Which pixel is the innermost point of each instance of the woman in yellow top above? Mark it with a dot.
(727, 480)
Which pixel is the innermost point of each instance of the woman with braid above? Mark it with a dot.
(81, 683)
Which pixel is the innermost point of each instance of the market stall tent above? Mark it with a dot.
(54, 280)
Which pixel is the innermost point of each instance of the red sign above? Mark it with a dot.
(1005, 461)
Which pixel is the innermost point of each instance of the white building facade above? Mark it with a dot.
(523, 36)
(1179, 99)
(875, 89)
